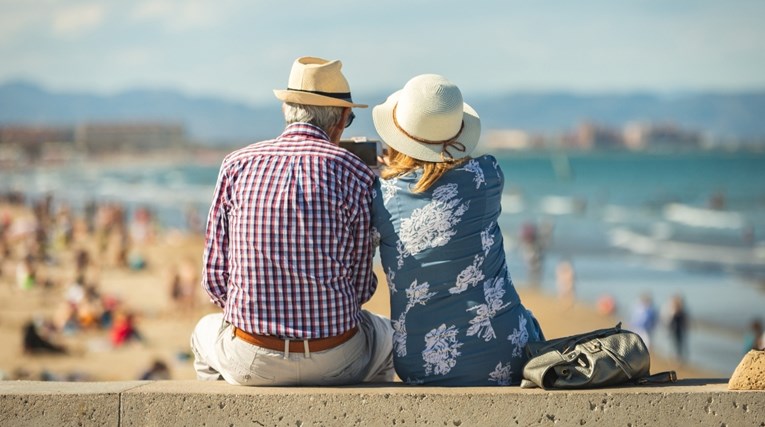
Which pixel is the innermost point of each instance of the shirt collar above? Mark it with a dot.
(302, 130)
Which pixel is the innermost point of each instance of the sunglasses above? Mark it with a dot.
(350, 119)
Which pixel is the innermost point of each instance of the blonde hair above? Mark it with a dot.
(400, 164)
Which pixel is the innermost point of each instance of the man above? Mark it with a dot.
(288, 252)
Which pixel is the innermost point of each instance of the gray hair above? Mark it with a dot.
(321, 116)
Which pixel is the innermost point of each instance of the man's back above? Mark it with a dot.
(289, 250)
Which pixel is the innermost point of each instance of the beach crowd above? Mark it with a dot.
(56, 254)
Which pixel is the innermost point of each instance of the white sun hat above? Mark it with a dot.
(428, 120)
(317, 81)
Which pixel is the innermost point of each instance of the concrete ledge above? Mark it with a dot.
(169, 403)
(33, 403)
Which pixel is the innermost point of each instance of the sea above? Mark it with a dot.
(662, 224)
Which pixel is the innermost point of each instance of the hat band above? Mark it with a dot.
(345, 96)
(445, 144)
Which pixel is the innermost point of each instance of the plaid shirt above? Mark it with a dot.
(288, 250)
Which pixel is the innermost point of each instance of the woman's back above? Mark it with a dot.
(457, 317)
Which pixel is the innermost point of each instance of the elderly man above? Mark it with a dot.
(288, 252)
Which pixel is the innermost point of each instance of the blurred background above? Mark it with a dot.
(632, 138)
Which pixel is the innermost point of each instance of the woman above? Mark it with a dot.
(457, 317)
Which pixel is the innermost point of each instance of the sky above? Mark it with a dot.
(242, 49)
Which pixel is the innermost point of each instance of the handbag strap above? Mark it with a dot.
(660, 378)
(565, 344)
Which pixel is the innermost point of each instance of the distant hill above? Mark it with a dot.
(212, 120)
(206, 119)
(727, 115)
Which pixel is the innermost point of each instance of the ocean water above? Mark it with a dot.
(641, 223)
(629, 223)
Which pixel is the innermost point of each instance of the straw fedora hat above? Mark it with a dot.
(428, 120)
(316, 81)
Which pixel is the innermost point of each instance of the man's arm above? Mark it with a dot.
(366, 281)
(215, 262)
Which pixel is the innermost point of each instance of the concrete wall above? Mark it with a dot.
(170, 403)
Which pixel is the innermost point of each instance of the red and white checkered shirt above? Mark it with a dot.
(288, 250)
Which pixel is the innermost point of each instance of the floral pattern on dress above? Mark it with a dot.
(391, 276)
(441, 350)
(470, 276)
(399, 335)
(432, 225)
(389, 189)
(473, 167)
(416, 294)
(494, 290)
(519, 337)
(502, 375)
(487, 240)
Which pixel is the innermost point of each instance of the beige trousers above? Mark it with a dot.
(367, 357)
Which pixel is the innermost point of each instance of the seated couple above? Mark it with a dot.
(292, 232)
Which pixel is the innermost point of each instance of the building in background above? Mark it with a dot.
(23, 143)
(512, 139)
(31, 142)
(106, 138)
(634, 136)
(660, 136)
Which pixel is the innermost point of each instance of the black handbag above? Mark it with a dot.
(600, 358)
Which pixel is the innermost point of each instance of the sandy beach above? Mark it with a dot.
(165, 327)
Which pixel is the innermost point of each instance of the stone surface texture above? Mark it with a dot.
(33, 403)
(194, 403)
(750, 373)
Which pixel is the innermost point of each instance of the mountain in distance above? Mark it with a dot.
(206, 119)
(722, 115)
(211, 120)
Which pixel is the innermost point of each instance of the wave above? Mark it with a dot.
(701, 217)
(512, 204)
(721, 255)
(561, 205)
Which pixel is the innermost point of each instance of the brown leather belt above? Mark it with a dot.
(297, 345)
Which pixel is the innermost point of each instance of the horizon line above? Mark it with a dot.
(510, 91)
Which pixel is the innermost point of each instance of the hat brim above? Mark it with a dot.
(382, 116)
(307, 98)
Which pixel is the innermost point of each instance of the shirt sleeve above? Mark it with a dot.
(365, 279)
(215, 263)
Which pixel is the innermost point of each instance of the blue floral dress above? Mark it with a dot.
(456, 316)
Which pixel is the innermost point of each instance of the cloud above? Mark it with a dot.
(181, 15)
(18, 18)
(77, 20)
(133, 56)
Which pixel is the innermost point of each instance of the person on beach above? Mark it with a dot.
(676, 319)
(35, 342)
(754, 339)
(288, 251)
(124, 329)
(644, 318)
(565, 281)
(456, 315)
(183, 284)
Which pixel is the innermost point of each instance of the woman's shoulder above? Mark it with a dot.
(487, 161)
(482, 170)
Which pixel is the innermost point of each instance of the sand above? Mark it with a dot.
(166, 327)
